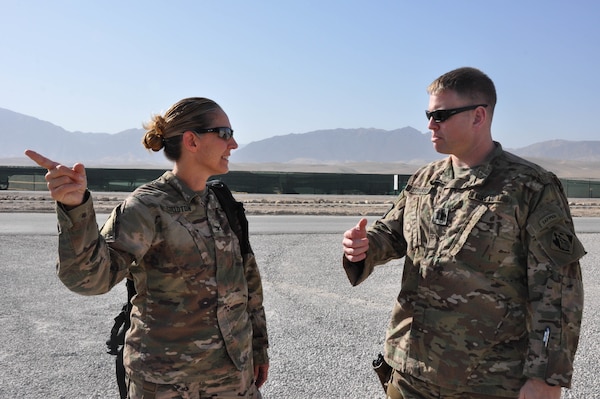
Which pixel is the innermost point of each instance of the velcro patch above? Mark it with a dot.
(176, 208)
(548, 219)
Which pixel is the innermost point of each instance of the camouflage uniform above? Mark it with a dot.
(198, 315)
(491, 267)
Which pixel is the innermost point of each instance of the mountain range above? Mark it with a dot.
(358, 150)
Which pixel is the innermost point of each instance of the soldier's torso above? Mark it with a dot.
(464, 285)
(190, 315)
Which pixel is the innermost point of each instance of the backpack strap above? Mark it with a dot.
(116, 343)
(236, 214)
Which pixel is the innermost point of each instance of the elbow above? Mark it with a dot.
(82, 284)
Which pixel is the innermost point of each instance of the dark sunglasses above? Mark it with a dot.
(442, 115)
(224, 132)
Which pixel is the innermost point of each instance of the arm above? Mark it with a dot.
(260, 340)
(383, 241)
(555, 289)
(83, 255)
(86, 264)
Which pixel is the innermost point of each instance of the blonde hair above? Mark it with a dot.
(164, 131)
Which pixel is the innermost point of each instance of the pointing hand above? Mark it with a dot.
(66, 185)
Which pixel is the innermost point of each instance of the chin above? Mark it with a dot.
(439, 147)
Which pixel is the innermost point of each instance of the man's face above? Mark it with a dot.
(455, 135)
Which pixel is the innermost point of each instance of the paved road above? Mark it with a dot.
(45, 223)
(324, 333)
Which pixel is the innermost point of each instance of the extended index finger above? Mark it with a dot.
(41, 160)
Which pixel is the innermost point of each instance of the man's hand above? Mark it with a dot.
(66, 185)
(538, 389)
(261, 373)
(355, 242)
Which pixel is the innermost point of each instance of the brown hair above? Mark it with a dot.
(166, 130)
(467, 82)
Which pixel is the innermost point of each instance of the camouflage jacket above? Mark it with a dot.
(491, 289)
(198, 312)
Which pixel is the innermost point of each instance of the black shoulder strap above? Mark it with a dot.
(236, 214)
(116, 342)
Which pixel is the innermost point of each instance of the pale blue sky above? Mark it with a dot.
(280, 67)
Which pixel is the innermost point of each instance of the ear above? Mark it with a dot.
(189, 141)
(480, 117)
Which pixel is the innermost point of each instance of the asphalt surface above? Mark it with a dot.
(323, 332)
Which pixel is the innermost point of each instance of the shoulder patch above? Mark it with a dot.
(548, 219)
(562, 241)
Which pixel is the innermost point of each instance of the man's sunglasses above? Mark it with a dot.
(442, 115)
(224, 132)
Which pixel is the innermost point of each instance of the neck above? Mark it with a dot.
(196, 181)
(475, 156)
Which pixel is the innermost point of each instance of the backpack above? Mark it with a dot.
(236, 215)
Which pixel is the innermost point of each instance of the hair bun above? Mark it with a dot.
(154, 138)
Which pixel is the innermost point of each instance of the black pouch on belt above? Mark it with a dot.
(383, 371)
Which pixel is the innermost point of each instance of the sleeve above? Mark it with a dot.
(555, 289)
(260, 339)
(87, 264)
(386, 242)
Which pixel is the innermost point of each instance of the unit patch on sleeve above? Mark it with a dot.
(562, 241)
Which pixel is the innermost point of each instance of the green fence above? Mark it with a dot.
(581, 188)
(126, 180)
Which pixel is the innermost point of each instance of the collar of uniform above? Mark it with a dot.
(477, 176)
(178, 185)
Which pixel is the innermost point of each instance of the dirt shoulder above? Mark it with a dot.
(263, 204)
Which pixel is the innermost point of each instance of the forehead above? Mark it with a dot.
(220, 119)
(445, 99)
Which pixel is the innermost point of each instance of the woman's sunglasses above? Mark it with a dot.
(224, 132)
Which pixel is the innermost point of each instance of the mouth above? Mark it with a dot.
(436, 135)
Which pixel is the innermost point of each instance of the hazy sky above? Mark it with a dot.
(279, 66)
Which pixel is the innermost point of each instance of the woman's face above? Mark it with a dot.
(214, 151)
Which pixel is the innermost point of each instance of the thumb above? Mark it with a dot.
(80, 170)
(361, 228)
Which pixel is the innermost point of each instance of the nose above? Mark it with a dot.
(232, 144)
(432, 125)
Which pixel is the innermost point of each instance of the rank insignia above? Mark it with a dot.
(440, 217)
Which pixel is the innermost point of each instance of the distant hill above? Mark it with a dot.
(341, 145)
(336, 150)
(563, 150)
(20, 132)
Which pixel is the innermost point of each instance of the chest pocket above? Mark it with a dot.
(466, 226)
(486, 235)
